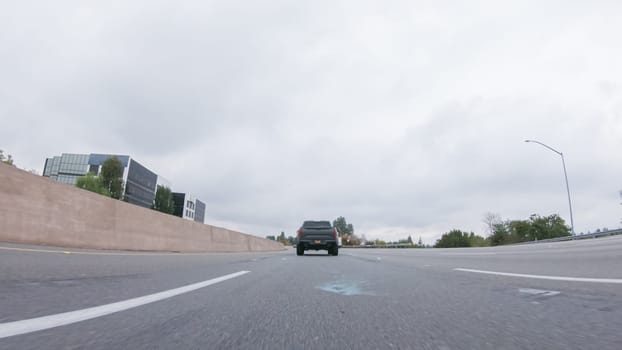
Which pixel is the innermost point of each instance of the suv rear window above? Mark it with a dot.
(316, 224)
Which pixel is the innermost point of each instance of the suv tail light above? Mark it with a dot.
(299, 232)
(335, 233)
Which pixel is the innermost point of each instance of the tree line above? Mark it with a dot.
(507, 232)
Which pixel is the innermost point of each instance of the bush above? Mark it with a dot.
(92, 183)
(457, 238)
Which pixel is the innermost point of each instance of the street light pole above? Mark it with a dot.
(565, 177)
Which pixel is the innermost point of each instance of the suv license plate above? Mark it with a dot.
(317, 241)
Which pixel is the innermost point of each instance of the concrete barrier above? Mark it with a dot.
(37, 210)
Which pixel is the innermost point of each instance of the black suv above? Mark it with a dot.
(317, 235)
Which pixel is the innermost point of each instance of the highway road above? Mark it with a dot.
(565, 295)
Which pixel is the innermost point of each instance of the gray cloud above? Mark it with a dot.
(406, 118)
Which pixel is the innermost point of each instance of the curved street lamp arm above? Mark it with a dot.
(549, 147)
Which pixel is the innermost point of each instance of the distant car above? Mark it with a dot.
(317, 235)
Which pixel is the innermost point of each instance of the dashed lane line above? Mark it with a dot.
(470, 253)
(539, 292)
(45, 322)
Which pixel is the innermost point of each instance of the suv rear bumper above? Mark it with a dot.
(313, 245)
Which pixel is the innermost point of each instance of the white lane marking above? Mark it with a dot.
(487, 253)
(540, 292)
(378, 258)
(545, 277)
(45, 322)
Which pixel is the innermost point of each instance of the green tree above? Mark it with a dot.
(500, 234)
(342, 226)
(519, 231)
(163, 201)
(92, 183)
(536, 228)
(544, 227)
(8, 159)
(112, 176)
(457, 238)
(410, 240)
(453, 239)
(478, 241)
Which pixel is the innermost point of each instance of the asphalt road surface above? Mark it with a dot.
(565, 295)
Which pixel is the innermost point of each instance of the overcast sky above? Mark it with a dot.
(406, 117)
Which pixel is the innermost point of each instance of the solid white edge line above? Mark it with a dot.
(45, 322)
(544, 277)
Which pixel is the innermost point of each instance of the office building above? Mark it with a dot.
(188, 207)
(139, 182)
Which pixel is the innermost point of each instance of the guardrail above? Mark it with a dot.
(576, 237)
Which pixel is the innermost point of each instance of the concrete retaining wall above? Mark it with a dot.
(37, 210)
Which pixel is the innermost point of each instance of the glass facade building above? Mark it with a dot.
(66, 168)
(199, 212)
(179, 204)
(139, 182)
(140, 186)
